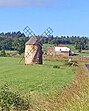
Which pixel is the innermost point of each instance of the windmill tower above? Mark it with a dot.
(33, 47)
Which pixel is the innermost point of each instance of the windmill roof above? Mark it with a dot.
(32, 41)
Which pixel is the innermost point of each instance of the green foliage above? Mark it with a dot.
(13, 41)
(3, 53)
(16, 41)
(6, 44)
(10, 100)
(19, 45)
(56, 66)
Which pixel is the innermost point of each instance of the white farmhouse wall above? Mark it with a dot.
(62, 49)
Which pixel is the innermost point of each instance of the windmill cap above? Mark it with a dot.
(32, 41)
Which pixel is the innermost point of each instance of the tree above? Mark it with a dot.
(6, 44)
(19, 45)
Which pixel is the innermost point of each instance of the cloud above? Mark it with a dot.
(6, 3)
(28, 3)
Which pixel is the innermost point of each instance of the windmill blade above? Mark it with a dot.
(21, 59)
(28, 31)
(31, 50)
(47, 32)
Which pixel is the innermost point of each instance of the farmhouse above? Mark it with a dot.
(33, 51)
(59, 50)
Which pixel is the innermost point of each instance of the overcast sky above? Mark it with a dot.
(65, 17)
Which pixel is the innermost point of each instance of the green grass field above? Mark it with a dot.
(51, 89)
(38, 78)
(46, 46)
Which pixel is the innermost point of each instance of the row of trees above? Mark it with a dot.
(13, 41)
(81, 43)
(17, 40)
(11, 35)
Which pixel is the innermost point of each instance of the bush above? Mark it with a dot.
(10, 100)
(3, 53)
(56, 66)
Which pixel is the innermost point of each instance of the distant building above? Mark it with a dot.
(59, 50)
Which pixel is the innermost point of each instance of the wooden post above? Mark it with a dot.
(81, 52)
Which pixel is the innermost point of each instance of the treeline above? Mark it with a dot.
(13, 41)
(81, 43)
(17, 40)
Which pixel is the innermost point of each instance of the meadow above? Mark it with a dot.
(34, 78)
(52, 86)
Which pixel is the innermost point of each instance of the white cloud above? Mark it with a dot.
(20, 3)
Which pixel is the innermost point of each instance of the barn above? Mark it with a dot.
(59, 50)
(33, 51)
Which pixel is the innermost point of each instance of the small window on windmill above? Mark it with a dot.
(33, 47)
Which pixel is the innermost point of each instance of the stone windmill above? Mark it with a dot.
(33, 47)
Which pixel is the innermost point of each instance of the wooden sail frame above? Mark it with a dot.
(33, 47)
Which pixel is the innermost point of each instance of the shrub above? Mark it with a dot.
(10, 100)
(3, 53)
(56, 66)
